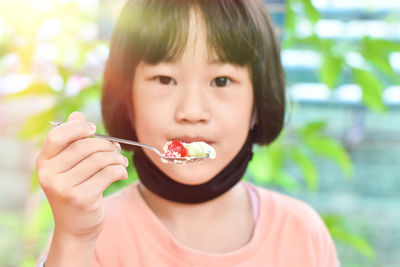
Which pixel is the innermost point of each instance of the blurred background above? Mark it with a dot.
(340, 150)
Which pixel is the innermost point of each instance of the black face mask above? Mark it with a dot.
(163, 186)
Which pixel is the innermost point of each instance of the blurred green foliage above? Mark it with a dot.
(298, 146)
(268, 165)
(373, 75)
(12, 231)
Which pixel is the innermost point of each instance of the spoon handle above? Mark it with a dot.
(119, 140)
(128, 142)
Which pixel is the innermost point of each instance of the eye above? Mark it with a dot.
(221, 82)
(166, 80)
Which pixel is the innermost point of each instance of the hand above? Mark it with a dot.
(74, 171)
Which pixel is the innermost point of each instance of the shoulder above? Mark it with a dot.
(294, 223)
(288, 208)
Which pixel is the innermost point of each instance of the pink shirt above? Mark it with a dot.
(288, 232)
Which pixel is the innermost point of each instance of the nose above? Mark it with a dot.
(193, 106)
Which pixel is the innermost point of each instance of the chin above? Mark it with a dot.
(193, 173)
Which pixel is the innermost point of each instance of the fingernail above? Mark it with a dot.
(125, 177)
(126, 162)
(118, 146)
(92, 127)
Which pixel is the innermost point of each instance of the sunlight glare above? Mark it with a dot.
(49, 29)
(391, 94)
(355, 60)
(89, 32)
(47, 51)
(56, 82)
(43, 5)
(350, 93)
(2, 27)
(13, 83)
(10, 62)
(89, 4)
(394, 60)
(77, 83)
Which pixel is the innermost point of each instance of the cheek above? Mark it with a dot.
(235, 132)
(235, 115)
(236, 120)
(234, 129)
(149, 121)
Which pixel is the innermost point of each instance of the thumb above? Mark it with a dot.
(76, 116)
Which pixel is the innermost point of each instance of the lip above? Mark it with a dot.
(190, 139)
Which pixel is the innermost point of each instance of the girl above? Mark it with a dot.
(194, 70)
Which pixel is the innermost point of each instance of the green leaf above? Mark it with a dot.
(355, 241)
(67, 105)
(331, 149)
(34, 181)
(267, 162)
(286, 181)
(36, 125)
(260, 166)
(377, 51)
(312, 137)
(314, 42)
(372, 89)
(290, 25)
(312, 128)
(331, 70)
(307, 167)
(310, 11)
(339, 232)
(34, 89)
(28, 262)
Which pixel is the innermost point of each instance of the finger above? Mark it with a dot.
(91, 165)
(80, 150)
(99, 182)
(61, 136)
(76, 116)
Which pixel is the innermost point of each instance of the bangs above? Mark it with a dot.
(157, 30)
(154, 31)
(230, 29)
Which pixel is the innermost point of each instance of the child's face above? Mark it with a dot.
(193, 99)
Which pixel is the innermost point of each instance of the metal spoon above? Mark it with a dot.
(165, 159)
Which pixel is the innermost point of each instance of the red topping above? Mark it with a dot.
(176, 149)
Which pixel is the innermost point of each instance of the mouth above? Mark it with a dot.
(188, 139)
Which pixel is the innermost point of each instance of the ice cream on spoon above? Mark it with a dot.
(178, 149)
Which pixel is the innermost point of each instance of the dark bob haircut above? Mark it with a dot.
(238, 32)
